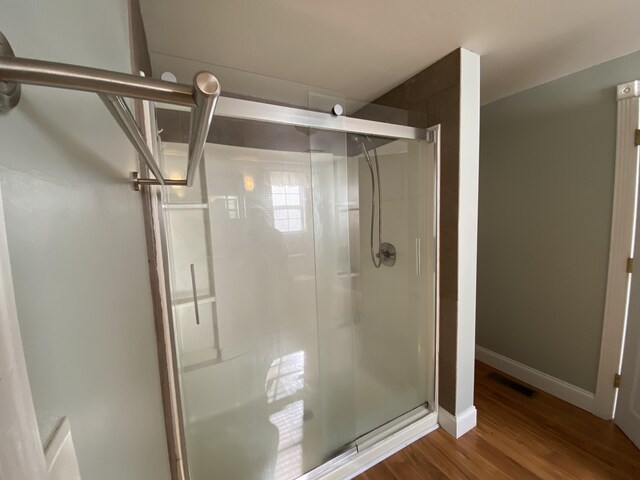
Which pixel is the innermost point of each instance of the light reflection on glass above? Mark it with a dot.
(177, 175)
(289, 457)
(288, 200)
(284, 379)
(249, 183)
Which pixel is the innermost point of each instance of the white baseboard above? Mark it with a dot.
(458, 425)
(554, 386)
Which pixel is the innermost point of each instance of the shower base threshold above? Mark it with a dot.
(377, 445)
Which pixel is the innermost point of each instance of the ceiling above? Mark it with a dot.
(363, 48)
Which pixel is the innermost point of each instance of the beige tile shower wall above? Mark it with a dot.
(77, 247)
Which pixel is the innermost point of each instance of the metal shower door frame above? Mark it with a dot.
(266, 112)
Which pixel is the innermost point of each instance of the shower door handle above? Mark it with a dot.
(195, 293)
(418, 256)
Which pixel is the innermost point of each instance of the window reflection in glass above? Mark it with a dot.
(288, 206)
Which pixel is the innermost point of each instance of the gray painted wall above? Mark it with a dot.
(77, 247)
(546, 191)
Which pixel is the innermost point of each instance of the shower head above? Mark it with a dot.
(361, 139)
(358, 142)
(356, 137)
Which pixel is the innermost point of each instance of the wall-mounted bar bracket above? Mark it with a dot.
(111, 87)
(141, 182)
(9, 91)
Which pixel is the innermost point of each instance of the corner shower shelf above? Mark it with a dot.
(197, 359)
(348, 274)
(188, 302)
(185, 206)
(111, 87)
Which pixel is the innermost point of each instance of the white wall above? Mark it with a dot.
(21, 455)
(77, 247)
(547, 173)
(467, 229)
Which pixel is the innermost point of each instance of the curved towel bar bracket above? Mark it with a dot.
(111, 87)
(9, 91)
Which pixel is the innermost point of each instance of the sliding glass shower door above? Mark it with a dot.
(378, 319)
(291, 344)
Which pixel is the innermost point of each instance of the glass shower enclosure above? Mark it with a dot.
(300, 340)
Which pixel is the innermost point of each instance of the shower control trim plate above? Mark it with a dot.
(387, 254)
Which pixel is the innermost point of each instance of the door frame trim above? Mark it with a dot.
(21, 453)
(624, 213)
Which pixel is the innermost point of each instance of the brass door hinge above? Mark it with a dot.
(629, 265)
(616, 380)
(637, 137)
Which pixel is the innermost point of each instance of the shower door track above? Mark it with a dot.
(373, 447)
(300, 117)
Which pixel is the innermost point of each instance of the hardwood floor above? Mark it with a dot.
(517, 438)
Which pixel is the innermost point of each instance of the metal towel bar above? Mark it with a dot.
(111, 87)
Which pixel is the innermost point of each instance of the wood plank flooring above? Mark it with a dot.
(517, 438)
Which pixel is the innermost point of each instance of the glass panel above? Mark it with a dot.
(379, 319)
(188, 241)
(174, 157)
(333, 286)
(252, 86)
(395, 309)
(323, 102)
(254, 406)
(300, 344)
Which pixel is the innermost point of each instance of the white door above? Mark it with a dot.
(627, 415)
